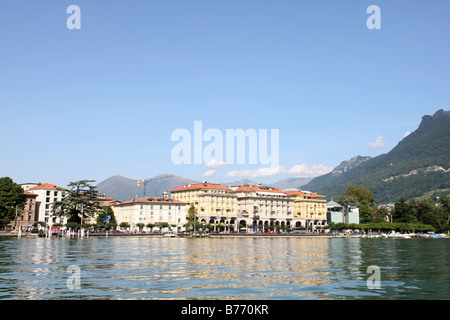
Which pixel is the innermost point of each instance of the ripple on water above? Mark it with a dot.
(226, 268)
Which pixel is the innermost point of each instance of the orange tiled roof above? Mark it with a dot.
(201, 186)
(30, 193)
(151, 200)
(45, 186)
(295, 193)
(256, 189)
(301, 193)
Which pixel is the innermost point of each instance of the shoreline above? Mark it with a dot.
(35, 235)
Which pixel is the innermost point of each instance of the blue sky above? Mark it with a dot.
(105, 99)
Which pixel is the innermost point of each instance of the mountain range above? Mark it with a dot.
(123, 188)
(419, 165)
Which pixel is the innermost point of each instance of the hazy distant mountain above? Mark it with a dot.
(123, 189)
(419, 164)
(290, 183)
(239, 183)
(329, 178)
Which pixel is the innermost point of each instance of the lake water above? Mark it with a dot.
(223, 268)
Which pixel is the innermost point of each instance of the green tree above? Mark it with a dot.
(140, 226)
(163, 225)
(361, 194)
(124, 225)
(151, 226)
(445, 209)
(102, 215)
(12, 198)
(80, 200)
(402, 212)
(365, 214)
(192, 216)
(380, 215)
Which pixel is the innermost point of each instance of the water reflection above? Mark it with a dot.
(218, 268)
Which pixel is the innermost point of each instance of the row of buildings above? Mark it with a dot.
(252, 208)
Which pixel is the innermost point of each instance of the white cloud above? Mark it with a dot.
(406, 134)
(300, 170)
(209, 173)
(215, 164)
(378, 144)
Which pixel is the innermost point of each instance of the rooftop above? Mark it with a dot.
(151, 200)
(198, 186)
(45, 186)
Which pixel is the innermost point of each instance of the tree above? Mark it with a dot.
(192, 216)
(163, 225)
(140, 226)
(124, 225)
(365, 214)
(402, 212)
(380, 215)
(102, 216)
(12, 198)
(445, 208)
(360, 194)
(151, 226)
(80, 200)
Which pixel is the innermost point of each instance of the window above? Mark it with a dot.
(48, 193)
(55, 193)
(47, 199)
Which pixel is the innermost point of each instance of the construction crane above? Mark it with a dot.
(144, 182)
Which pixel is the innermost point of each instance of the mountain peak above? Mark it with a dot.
(404, 172)
(346, 165)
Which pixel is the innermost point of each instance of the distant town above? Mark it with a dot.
(218, 208)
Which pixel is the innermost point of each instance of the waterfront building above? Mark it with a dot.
(263, 208)
(337, 213)
(252, 208)
(216, 204)
(47, 194)
(28, 186)
(26, 219)
(152, 210)
(309, 207)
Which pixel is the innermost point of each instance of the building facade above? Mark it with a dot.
(216, 204)
(264, 208)
(309, 207)
(47, 194)
(26, 219)
(252, 208)
(337, 213)
(151, 210)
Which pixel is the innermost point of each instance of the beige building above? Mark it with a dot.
(309, 207)
(264, 208)
(47, 194)
(151, 210)
(252, 208)
(26, 218)
(216, 204)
